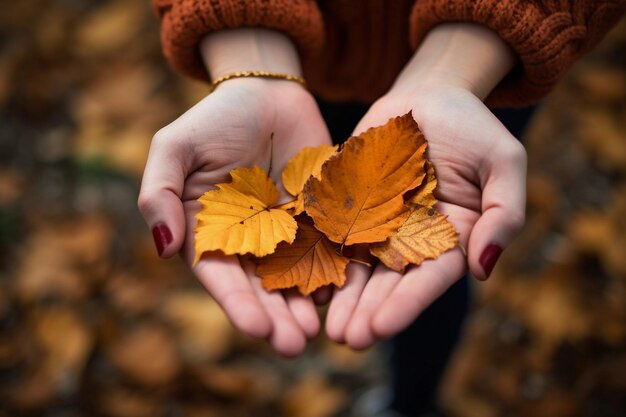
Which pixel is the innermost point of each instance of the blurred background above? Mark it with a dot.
(92, 323)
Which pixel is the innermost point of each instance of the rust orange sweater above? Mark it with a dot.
(353, 50)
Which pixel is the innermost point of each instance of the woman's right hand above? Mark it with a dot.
(232, 128)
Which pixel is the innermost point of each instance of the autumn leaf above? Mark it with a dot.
(308, 162)
(426, 234)
(378, 189)
(423, 195)
(310, 262)
(238, 217)
(358, 197)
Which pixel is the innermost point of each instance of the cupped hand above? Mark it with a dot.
(481, 171)
(232, 128)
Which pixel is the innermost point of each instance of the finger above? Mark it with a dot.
(160, 195)
(287, 338)
(417, 289)
(303, 310)
(227, 282)
(345, 300)
(503, 209)
(359, 333)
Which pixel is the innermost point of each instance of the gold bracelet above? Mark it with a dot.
(260, 74)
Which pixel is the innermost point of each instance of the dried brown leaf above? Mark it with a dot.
(310, 262)
(426, 234)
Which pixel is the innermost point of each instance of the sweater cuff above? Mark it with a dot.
(160, 7)
(184, 23)
(547, 38)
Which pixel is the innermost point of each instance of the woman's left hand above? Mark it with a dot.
(481, 173)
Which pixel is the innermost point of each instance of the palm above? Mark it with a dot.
(465, 143)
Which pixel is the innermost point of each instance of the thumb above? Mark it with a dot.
(503, 208)
(377, 115)
(160, 195)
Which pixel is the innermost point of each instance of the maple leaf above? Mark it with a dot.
(308, 162)
(426, 234)
(237, 217)
(358, 197)
(310, 262)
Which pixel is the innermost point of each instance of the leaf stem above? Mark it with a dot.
(269, 170)
(281, 204)
(358, 261)
(460, 245)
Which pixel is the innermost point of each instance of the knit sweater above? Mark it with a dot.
(353, 50)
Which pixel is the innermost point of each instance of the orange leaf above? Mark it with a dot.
(308, 162)
(426, 234)
(310, 262)
(359, 195)
(237, 218)
(423, 195)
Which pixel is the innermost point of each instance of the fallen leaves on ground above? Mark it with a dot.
(64, 357)
(202, 329)
(378, 190)
(146, 354)
(312, 396)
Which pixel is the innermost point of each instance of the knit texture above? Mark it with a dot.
(185, 22)
(353, 50)
(366, 48)
(547, 36)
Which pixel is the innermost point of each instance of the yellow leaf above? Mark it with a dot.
(426, 234)
(359, 195)
(306, 163)
(423, 195)
(309, 263)
(299, 169)
(237, 218)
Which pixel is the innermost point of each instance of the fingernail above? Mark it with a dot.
(489, 258)
(162, 237)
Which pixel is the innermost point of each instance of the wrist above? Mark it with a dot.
(267, 87)
(457, 55)
(249, 49)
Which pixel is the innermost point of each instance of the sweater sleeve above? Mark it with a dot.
(185, 22)
(547, 36)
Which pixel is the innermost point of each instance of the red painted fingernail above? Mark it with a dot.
(489, 258)
(162, 237)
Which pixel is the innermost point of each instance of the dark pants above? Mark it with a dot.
(420, 353)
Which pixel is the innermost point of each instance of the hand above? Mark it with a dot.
(481, 170)
(231, 128)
